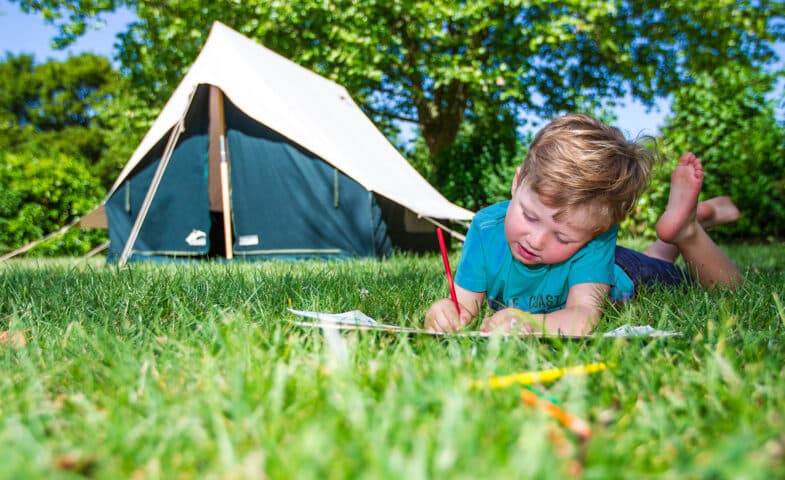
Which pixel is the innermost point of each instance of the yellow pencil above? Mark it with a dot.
(542, 376)
(568, 420)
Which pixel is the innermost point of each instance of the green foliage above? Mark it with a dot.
(54, 95)
(478, 169)
(55, 108)
(195, 371)
(725, 119)
(128, 118)
(428, 61)
(41, 195)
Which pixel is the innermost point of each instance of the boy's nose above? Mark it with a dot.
(536, 239)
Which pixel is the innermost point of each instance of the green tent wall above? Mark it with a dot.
(285, 201)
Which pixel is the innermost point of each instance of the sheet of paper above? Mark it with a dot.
(354, 317)
(639, 331)
(357, 320)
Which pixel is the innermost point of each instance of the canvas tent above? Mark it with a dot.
(255, 156)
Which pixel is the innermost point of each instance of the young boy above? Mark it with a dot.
(547, 259)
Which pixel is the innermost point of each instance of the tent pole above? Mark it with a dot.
(178, 129)
(218, 133)
(225, 199)
(219, 185)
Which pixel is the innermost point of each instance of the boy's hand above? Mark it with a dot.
(442, 317)
(511, 321)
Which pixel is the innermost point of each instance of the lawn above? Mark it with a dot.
(195, 371)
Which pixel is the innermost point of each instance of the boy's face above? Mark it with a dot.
(535, 237)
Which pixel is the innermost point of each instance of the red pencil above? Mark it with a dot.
(447, 270)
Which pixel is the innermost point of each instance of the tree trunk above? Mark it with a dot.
(441, 118)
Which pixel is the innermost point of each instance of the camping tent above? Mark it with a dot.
(254, 155)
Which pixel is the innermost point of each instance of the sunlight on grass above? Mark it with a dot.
(194, 371)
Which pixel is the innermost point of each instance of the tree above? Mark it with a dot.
(53, 95)
(52, 108)
(426, 62)
(18, 90)
(726, 118)
(479, 166)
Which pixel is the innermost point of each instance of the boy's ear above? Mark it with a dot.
(515, 181)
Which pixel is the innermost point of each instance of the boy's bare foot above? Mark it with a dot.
(717, 211)
(679, 219)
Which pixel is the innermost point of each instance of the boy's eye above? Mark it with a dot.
(563, 241)
(528, 217)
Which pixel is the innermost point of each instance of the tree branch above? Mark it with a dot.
(390, 115)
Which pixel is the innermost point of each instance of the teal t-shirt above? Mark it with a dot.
(487, 265)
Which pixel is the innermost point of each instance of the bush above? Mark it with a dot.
(726, 120)
(41, 195)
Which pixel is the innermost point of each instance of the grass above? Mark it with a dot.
(193, 371)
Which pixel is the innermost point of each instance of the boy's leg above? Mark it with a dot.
(679, 226)
(710, 213)
(717, 211)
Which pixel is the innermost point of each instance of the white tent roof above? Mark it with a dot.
(307, 108)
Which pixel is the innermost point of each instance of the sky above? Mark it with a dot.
(27, 33)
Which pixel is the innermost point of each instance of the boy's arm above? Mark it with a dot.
(578, 317)
(442, 317)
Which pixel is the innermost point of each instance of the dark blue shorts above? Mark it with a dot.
(648, 271)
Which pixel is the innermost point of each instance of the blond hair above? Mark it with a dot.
(578, 161)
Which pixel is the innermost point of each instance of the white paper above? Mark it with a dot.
(358, 318)
(639, 331)
(355, 317)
